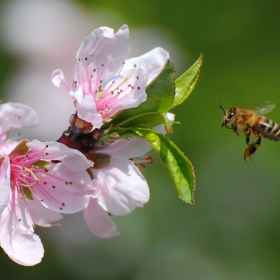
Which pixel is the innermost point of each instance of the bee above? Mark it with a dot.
(253, 124)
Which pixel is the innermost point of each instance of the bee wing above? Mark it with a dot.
(265, 108)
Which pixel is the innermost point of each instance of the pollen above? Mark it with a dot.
(149, 159)
(53, 186)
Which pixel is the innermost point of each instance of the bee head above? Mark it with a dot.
(229, 116)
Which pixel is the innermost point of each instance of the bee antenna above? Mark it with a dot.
(221, 106)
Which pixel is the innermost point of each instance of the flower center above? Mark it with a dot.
(23, 170)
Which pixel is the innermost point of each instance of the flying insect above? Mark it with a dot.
(253, 124)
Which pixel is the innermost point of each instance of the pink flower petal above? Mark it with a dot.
(126, 148)
(63, 190)
(7, 146)
(131, 86)
(16, 115)
(16, 234)
(152, 61)
(4, 182)
(101, 47)
(77, 94)
(99, 221)
(41, 215)
(57, 78)
(86, 110)
(120, 187)
(73, 159)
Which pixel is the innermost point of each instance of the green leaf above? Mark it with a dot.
(177, 163)
(186, 83)
(145, 120)
(160, 94)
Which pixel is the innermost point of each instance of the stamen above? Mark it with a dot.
(141, 161)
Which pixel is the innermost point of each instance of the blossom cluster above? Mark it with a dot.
(91, 167)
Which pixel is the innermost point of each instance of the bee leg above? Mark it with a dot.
(251, 149)
(247, 134)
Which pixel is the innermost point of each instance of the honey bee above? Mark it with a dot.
(253, 124)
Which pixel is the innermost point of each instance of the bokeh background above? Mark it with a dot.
(233, 230)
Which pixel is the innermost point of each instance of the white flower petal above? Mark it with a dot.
(99, 221)
(120, 187)
(4, 182)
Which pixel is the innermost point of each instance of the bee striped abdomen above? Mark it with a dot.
(268, 128)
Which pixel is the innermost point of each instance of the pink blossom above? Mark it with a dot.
(104, 81)
(32, 175)
(119, 186)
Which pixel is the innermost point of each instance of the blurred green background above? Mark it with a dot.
(233, 230)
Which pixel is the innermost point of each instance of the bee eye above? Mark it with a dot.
(230, 115)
